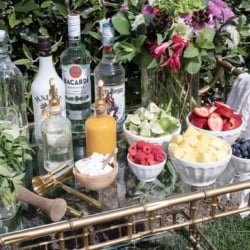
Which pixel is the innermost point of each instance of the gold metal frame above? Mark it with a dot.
(175, 213)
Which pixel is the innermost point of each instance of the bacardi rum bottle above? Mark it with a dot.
(75, 64)
(113, 75)
(39, 87)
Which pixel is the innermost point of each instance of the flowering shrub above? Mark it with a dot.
(176, 34)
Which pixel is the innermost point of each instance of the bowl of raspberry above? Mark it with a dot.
(241, 156)
(146, 160)
(217, 119)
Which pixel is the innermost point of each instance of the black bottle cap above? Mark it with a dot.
(44, 46)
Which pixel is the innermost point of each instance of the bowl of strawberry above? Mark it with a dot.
(217, 119)
(146, 160)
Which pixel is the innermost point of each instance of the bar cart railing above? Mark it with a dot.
(175, 213)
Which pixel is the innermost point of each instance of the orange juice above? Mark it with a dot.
(100, 128)
(100, 134)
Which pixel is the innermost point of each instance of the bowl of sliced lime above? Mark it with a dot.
(150, 124)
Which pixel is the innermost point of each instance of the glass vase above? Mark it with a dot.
(174, 91)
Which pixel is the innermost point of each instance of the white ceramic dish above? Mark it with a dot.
(229, 136)
(146, 173)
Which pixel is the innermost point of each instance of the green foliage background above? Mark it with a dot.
(25, 20)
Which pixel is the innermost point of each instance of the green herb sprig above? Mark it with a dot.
(14, 152)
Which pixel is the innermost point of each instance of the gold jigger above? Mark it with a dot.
(41, 184)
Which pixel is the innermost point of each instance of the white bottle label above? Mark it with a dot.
(115, 100)
(77, 83)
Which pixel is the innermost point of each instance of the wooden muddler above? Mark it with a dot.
(54, 208)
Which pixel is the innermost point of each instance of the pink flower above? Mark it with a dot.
(147, 9)
(220, 10)
(178, 45)
(159, 50)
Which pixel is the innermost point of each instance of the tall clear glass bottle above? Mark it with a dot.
(12, 86)
(39, 88)
(113, 75)
(75, 64)
(56, 134)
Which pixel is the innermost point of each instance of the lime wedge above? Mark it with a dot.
(145, 132)
(140, 111)
(145, 124)
(157, 129)
(127, 121)
(163, 113)
(152, 107)
(135, 119)
(148, 116)
(133, 128)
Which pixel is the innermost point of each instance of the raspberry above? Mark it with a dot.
(140, 144)
(159, 157)
(156, 149)
(140, 156)
(132, 150)
(147, 148)
(151, 161)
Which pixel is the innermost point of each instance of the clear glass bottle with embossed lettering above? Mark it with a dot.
(75, 65)
(113, 74)
(39, 87)
(56, 134)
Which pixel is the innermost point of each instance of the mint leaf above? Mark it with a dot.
(205, 39)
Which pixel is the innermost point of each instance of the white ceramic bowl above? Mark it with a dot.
(229, 136)
(200, 174)
(240, 165)
(161, 140)
(146, 173)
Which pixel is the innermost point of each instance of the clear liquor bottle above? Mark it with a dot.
(12, 86)
(113, 75)
(56, 135)
(39, 88)
(75, 65)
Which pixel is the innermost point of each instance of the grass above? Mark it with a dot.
(229, 233)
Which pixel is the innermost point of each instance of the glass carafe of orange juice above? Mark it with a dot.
(100, 128)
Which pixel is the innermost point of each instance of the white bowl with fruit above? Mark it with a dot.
(199, 158)
(241, 156)
(151, 124)
(217, 119)
(146, 160)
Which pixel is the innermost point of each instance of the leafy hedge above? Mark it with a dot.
(25, 20)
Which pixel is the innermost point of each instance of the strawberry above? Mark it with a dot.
(210, 108)
(199, 122)
(225, 112)
(200, 111)
(219, 104)
(215, 122)
(232, 123)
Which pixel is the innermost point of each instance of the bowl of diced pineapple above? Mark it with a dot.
(150, 124)
(199, 158)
